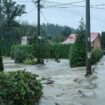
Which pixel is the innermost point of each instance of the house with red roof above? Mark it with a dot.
(95, 40)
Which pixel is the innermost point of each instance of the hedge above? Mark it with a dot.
(25, 53)
(19, 88)
(97, 54)
(1, 64)
(77, 56)
(21, 52)
(60, 51)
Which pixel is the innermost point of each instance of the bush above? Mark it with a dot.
(30, 61)
(77, 56)
(103, 40)
(1, 64)
(42, 50)
(96, 55)
(74, 62)
(5, 46)
(22, 52)
(60, 51)
(19, 88)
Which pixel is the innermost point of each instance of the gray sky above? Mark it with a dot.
(65, 16)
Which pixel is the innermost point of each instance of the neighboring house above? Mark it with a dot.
(24, 40)
(95, 40)
(70, 40)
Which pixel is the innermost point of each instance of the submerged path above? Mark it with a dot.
(99, 98)
(64, 85)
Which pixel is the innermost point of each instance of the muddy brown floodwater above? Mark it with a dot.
(64, 85)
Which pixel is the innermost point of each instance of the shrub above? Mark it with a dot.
(1, 64)
(103, 40)
(60, 51)
(19, 88)
(77, 56)
(5, 46)
(30, 61)
(96, 55)
(42, 50)
(21, 52)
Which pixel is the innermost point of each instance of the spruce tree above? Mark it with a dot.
(78, 50)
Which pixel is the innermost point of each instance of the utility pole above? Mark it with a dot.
(1, 21)
(88, 40)
(38, 31)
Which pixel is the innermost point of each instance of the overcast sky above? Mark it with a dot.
(65, 16)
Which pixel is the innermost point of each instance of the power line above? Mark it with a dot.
(96, 7)
(53, 2)
(99, 5)
(62, 4)
(73, 3)
(92, 6)
(44, 16)
(23, 1)
(27, 13)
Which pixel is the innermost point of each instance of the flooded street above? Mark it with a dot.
(64, 85)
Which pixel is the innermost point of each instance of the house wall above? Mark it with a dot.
(97, 43)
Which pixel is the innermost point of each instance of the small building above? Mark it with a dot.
(70, 40)
(95, 40)
(24, 40)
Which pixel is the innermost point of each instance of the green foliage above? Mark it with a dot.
(78, 50)
(59, 51)
(57, 33)
(77, 56)
(30, 61)
(1, 64)
(10, 11)
(19, 88)
(103, 40)
(96, 55)
(10, 33)
(66, 32)
(5, 46)
(22, 52)
(42, 50)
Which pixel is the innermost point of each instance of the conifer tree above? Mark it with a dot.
(78, 50)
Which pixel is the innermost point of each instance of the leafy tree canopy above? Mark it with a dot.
(10, 11)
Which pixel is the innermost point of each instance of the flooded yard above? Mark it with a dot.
(64, 85)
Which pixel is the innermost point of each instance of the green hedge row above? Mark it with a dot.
(97, 54)
(5, 46)
(28, 52)
(60, 51)
(78, 56)
(22, 52)
(19, 88)
(1, 64)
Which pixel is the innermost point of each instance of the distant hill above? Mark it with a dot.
(57, 32)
